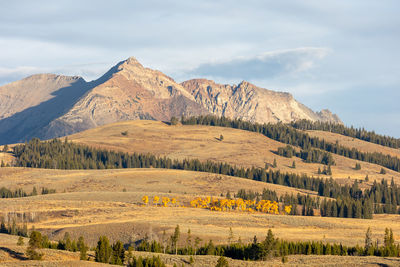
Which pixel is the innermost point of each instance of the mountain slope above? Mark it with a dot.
(49, 105)
(252, 103)
(28, 105)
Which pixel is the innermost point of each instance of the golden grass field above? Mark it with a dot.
(97, 202)
(238, 147)
(94, 202)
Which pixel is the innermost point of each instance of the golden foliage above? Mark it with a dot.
(224, 204)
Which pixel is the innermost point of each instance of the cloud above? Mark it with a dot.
(267, 65)
(11, 74)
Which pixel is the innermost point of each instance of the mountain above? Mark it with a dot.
(252, 103)
(29, 105)
(48, 105)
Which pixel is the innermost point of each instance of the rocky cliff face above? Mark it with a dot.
(49, 105)
(249, 102)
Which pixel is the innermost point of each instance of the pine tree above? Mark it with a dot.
(175, 239)
(230, 236)
(368, 249)
(103, 250)
(274, 164)
(35, 242)
(20, 241)
(222, 262)
(294, 165)
(358, 166)
(82, 248)
(118, 254)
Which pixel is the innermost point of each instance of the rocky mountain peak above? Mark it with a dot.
(49, 105)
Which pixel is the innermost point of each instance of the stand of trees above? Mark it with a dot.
(287, 134)
(12, 228)
(7, 193)
(310, 155)
(359, 133)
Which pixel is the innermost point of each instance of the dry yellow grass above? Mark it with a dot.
(95, 204)
(361, 145)
(7, 158)
(121, 217)
(238, 147)
(134, 180)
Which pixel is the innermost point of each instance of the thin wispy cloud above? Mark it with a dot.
(264, 66)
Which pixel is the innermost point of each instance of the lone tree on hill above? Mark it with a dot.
(174, 121)
(358, 166)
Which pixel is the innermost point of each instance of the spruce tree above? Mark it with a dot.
(82, 248)
(103, 250)
(35, 242)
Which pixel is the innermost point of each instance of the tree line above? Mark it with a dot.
(275, 247)
(285, 133)
(255, 250)
(68, 155)
(19, 192)
(359, 133)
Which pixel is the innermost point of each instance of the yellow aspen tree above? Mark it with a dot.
(145, 200)
(165, 201)
(173, 201)
(156, 199)
(288, 209)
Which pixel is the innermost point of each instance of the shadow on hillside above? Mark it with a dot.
(31, 122)
(14, 254)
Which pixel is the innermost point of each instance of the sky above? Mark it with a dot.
(341, 55)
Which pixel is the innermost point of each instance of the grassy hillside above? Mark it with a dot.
(97, 202)
(238, 147)
(94, 204)
(156, 181)
(361, 145)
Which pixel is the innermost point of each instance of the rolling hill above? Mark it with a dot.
(238, 147)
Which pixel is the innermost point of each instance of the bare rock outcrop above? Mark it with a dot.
(249, 102)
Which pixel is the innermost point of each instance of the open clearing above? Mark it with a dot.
(238, 147)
